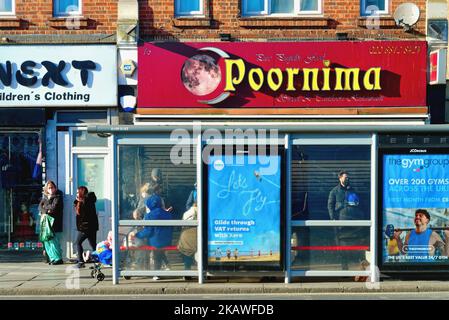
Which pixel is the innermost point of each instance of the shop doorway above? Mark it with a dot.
(83, 160)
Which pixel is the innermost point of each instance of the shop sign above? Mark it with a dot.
(415, 188)
(58, 76)
(244, 211)
(437, 66)
(280, 74)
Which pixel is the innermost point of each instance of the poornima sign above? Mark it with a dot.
(283, 74)
(275, 77)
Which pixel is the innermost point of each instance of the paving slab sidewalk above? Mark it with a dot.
(39, 279)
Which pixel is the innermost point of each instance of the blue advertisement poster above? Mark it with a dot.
(415, 209)
(244, 208)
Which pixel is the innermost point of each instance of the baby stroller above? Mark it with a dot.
(100, 257)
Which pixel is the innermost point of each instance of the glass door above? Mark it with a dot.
(90, 172)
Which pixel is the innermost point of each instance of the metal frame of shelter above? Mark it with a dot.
(290, 134)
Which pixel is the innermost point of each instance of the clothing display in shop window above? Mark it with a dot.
(3, 167)
(37, 171)
(20, 159)
(24, 223)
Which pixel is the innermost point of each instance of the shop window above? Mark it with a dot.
(83, 139)
(67, 7)
(67, 118)
(316, 191)
(373, 7)
(7, 7)
(20, 190)
(330, 248)
(280, 7)
(189, 7)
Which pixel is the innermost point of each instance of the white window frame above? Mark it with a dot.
(364, 13)
(267, 10)
(12, 12)
(58, 13)
(178, 12)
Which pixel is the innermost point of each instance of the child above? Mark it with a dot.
(102, 253)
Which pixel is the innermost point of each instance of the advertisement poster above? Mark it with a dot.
(415, 208)
(244, 210)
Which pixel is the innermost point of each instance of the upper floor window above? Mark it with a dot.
(67, 7)
(7, 7)
(373, 7)
(188, 7)
(280, 7)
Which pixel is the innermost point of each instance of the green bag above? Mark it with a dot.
(46, 233)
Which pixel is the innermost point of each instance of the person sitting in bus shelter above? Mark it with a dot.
(158, 236)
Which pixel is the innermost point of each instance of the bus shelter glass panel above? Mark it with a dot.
(330, 248)
(320, 189)
(148, 173)
(139, 252)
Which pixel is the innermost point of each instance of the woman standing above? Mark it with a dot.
(86, 221)
(52, 204)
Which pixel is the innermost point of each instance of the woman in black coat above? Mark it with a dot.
(86, 221)
(52, 204)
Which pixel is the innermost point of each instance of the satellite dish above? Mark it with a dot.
(406, 15)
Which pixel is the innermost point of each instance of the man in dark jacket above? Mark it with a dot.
(343, 204)
(336, 203)
(158, 236)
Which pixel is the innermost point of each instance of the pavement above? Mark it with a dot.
(39, 279)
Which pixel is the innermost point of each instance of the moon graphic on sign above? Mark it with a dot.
(201, 75)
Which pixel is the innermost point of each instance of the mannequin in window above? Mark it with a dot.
(24, 223)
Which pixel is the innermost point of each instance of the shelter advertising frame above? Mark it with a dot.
(419, 173)
(228, 258)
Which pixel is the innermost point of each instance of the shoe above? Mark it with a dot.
(57, 262)
(155, 278)
(188, 278)
(80, 265)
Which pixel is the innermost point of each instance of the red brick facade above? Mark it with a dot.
(36, 17)
(157, 21)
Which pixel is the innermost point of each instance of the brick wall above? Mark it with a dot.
(36, 17)
(157, 22)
